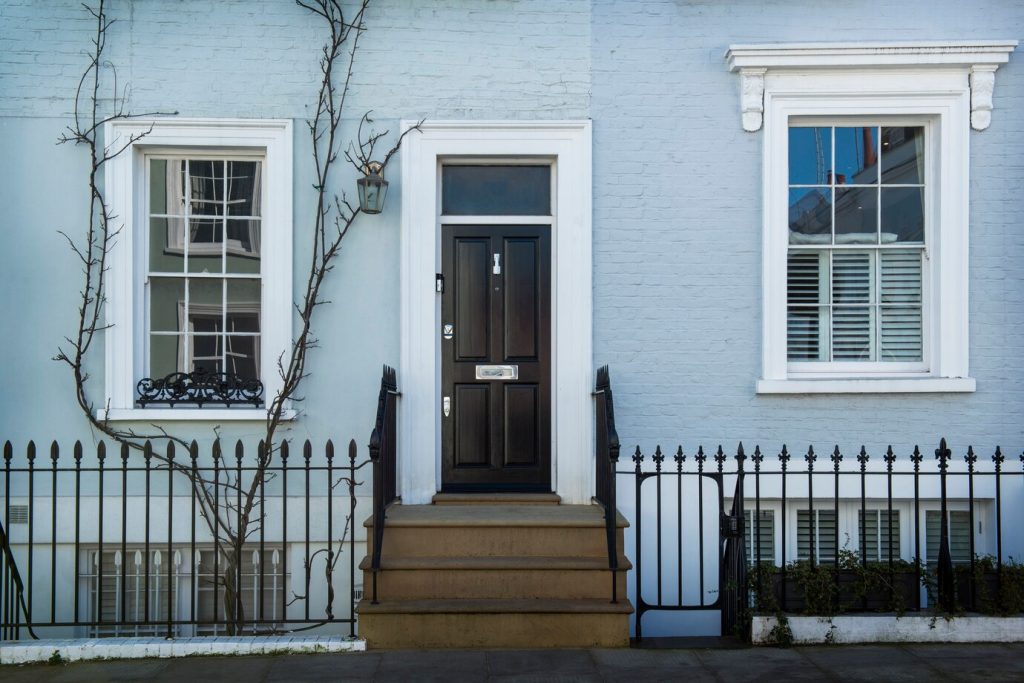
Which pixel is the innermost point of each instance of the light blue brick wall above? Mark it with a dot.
(677, 187)
(253, 59)
(677, 231)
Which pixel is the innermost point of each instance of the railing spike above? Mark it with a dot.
(307, 452)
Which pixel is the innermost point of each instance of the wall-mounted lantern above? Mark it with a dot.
(372, 188)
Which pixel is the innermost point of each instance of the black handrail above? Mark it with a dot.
(383, 454)
(13, 595)
(607, 456)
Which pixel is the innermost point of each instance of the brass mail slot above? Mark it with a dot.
(497, 372)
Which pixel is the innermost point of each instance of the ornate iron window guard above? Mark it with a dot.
(199, 388)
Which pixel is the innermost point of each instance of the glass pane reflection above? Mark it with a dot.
(903, 155)
(810, 155)
(496, 190)
(856, 156)
(810, 216)
(902, 214)
(856, 215)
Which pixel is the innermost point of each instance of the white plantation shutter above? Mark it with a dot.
(822, 535)
(855, 306)
(851, 310)
(901, 306)
(804, 325)
(876, 534)
(959, 535)
(766, 527)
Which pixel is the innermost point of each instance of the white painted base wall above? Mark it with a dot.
(26, 652)
(892, 629)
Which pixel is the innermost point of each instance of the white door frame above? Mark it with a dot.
(419, 372)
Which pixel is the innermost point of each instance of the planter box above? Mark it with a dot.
(891, 629)
(878, 599)
(986, 590)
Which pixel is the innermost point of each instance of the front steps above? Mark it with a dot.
(507, 570)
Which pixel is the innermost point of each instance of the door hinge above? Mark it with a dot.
(439, 283)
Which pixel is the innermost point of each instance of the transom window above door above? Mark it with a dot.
(496, 190)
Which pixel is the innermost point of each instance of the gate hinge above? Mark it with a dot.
(730, 526)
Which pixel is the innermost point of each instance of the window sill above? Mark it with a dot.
(902, 385)
(189, 415)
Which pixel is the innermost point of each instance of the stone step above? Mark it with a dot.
(495, 530)
(494, 623)
(497, 499)
(407, 578)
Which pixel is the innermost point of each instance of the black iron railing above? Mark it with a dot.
(199, 388)
(15, 610)
(123, 543)
(607, 457)
(890, 533)
(384, 455)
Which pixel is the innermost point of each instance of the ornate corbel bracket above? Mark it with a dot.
(855, 63)
(983, 83)
(752, 98)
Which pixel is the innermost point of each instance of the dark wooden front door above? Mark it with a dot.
(496, 432)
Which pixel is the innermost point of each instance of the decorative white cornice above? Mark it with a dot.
(980, 58)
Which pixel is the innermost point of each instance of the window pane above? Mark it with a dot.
(805, 330)
(810, 155)
(205, 304)
(165, 355)
(856, 156)
(856, 215)
(819, 536)
(852, 328)
(496, 190)
(205, 247)
(852, 277)
(762, 537)
(876, 534)
(167, 245)
(902, 214)
(243, 355)
(206, 187)
(167, 186)
(810, 216)
(243, 246)
(244, 179)
(243, 306)
(206, 352)
(903, 155)
(166, 304)
(959, 535)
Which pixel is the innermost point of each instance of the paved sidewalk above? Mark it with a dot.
(975, 662)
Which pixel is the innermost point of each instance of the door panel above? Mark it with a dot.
(471, 299)
(521, 419)
(521, 299)
(497, 435)
(472, 441)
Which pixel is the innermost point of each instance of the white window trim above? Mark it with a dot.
(568, 143)
(948, 86)
(125, 192)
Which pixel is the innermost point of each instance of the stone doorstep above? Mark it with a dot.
(850, 629)
(71, 650)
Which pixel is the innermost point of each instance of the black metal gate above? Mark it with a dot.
(695, 544)
(680, 518)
